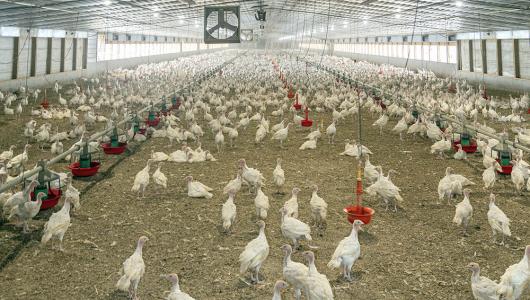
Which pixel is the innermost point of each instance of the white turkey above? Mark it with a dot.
(294, 229)
(291, 205)
(482, 287)
(347, 252)
(228, 212)
(278, 176)
(141, 180)
(319, 208)
(57, 225)
(255, 254)
(159, 177)
(499, 222)
(176, 293)
(318, 286)
(132, 271)
(250, 175)
(463, 212)
(515, 281)
(261, 202)
(197, 189)
(278, 287)
(294, 272)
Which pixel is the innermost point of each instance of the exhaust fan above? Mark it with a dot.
(221, 24)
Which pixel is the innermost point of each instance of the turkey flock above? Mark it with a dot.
(249, 95)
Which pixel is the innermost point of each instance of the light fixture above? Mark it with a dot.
(156, 15)
(107, 2)
(365, 22)
(398, 16)
(459, 3)
(332, 27)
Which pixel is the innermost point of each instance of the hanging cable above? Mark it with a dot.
(327, 30)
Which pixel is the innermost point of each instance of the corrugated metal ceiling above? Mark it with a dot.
(337, 18)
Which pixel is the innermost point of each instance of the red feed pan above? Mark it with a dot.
(297, 106)
(506, 170)
(114, 150)
(84, 172)
(153, 123)
(53, 198)
(307, 123)
(472, 148)
(356, 212)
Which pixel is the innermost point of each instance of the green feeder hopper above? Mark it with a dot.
(503, 157)
(45, 177)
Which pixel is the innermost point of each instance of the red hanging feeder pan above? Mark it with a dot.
(108, 149)
(45, 104)
(471, 148)
(469, 144)
(114, 147)
(307, 122)
(44, 179)
(153, 123)
(296, 105)
(359, 212)
(85, 167)
(53, 198)
(77, 171)
(505, 170)
(504, 158)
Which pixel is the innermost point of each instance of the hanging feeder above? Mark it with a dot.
(440, 123)
(175, 102)
(45, 104)
(451, 88)
(115, 146)
(45, 178)
(485, 94)
(307, 122)
(359, 212)
(163, 107)
(415, 113)
(504, 158)
(85, 167)
(291, 94)
(152, 118)
(468, 143)
(296, 105)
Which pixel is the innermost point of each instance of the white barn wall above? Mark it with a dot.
(42, 52)
(92, 69)
(56, 55)
(446, 70)
(6, 56)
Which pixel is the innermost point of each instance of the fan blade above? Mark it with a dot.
(230, 27)
(213, 29)
(221, 16)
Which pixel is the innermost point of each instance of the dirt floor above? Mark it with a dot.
(416, 253)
